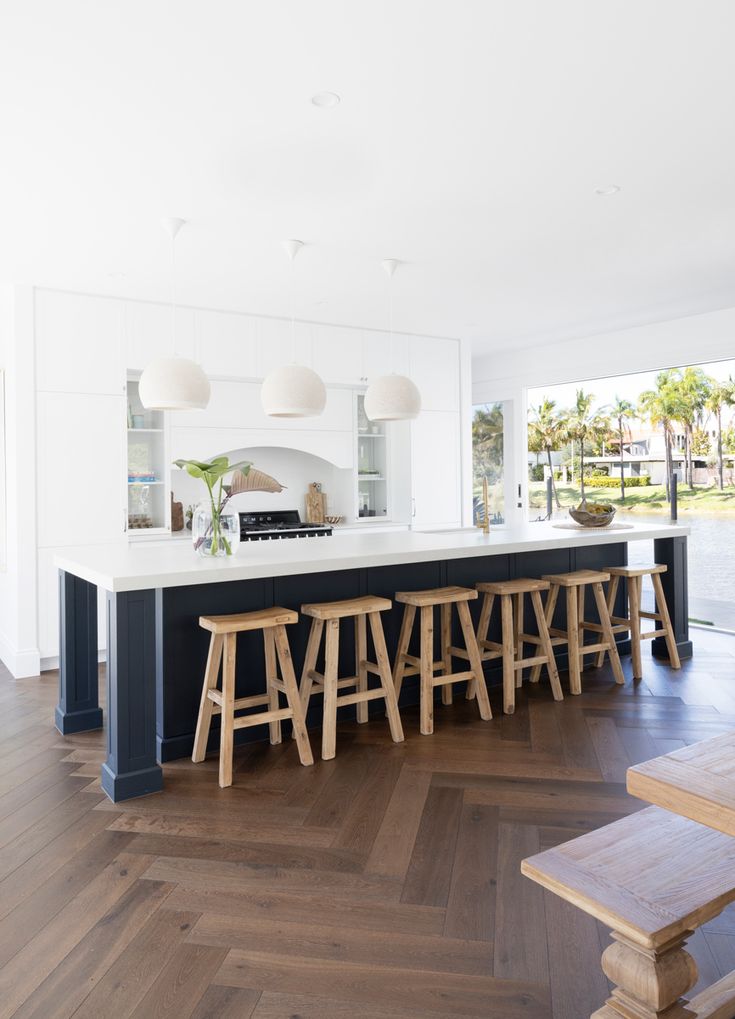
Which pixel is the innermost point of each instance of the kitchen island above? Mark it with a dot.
(156, 651)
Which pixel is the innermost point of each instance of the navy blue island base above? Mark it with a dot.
(157, 651)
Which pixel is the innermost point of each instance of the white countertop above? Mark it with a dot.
(135, 567)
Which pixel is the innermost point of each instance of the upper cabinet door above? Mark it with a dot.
(436, 468)
(79, 343)
(338, 355)
(435, 370)
(227, 344)
(149, 333)
(381, 357)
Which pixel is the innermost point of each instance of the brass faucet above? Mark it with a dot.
(485, 522)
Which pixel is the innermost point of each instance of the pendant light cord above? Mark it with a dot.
(173, 293)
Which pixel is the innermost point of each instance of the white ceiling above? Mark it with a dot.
(469, 141)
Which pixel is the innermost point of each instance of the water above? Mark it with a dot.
(711, 564)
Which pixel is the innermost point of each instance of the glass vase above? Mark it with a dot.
(215, 534)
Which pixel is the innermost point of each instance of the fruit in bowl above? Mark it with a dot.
(593, 514)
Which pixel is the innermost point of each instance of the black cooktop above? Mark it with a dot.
(278, 524)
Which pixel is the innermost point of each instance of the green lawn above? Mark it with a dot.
(651, 499)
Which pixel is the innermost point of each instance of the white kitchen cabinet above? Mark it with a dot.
(79, 343)
(434, 367)
(227, 344)
(81, 468)
(149, 333)
(435, 468)
(338, 355)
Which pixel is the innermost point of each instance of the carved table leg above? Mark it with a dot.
(649, 982)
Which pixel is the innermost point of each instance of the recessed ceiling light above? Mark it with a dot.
(326, 100)
(605, 190)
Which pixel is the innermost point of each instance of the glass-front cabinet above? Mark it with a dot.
(372, 465)
(148, 471)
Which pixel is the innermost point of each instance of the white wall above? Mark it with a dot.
(508, 374)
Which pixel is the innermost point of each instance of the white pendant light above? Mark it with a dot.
(293, 390)
(173, 383)
(392, 397)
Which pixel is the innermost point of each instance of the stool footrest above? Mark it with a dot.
(453, 677)
(263, 717)
(651, 615)
(361, 695)
(241, 702)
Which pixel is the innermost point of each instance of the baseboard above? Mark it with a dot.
(21, 664)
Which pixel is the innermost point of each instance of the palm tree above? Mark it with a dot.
(621, 410)
(721, 394)
(692, 387)
(585, 425)
(662, 407)
(545, 432)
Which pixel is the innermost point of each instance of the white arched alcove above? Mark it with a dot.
(293, 468)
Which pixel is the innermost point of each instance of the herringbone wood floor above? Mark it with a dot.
(382, 884)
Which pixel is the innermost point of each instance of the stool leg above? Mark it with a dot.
(280, 639)
(581, 591)
(546, 646)
(386, 679)
(214, 657)
(551, 600)
(404, 639)
(427, 670)
(227, 731)
(360, 670)
(663, 611)
(470, 642)
(271, 674)
(446, 639)
(635, 588)
(312, 652)
(518, 640)
(483, 627)
(612, 593)
(607, 633)
(508, 641)
(331, 661)
(575, 679)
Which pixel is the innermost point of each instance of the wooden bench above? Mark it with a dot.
(653, 878)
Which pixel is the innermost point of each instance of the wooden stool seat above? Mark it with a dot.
(223, 649)
(436, 596)
(575, 584)
(326, 616)
(577, 578)
(636, 613)
(653, 878)
(242, 621)
(424, 665)
(346, 608)
(522, 585)
(511, 649)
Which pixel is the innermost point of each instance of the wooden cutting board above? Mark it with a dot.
(316, 504)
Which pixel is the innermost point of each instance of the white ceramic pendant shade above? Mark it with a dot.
(293, 390)
(173, 383)
(392, 397)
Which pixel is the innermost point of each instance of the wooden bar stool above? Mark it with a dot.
(223, 645)
(362, 610)
(632, 622)
(511, 649)
(575, 584)
(424, 665)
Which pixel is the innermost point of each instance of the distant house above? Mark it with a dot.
(644, 453)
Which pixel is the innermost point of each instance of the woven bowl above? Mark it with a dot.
(586, 519)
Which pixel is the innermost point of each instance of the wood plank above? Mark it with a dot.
(391, 851)
(227, 1003)
(472, 894)
(429, 875)
(182, 982)
(520, 948)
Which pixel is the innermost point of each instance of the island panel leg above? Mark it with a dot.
(672, 553)
(131, 768)
(78, 709)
